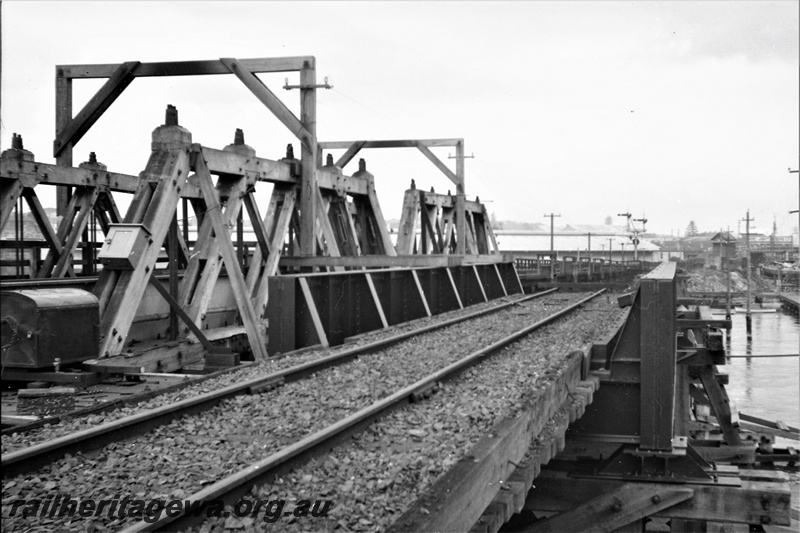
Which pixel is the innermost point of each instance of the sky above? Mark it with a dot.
(672, 111)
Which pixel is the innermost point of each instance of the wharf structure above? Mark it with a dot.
(652, 437)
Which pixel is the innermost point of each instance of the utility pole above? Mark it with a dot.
(798, 231)
(728, 277)
(590, 255)
(552, 259)
(748, 317)
(610, 240)
(643, 220)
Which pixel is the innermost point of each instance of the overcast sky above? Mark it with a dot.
(675, 110)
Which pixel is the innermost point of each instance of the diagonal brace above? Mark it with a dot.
(268, 98)
(94, 108)
(615, 509)
(437, 162)
(175, 306)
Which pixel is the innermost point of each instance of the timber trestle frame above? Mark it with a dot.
(315, 212)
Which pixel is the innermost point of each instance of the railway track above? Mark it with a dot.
(246, 380)
(219, 448)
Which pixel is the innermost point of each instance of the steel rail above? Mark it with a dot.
(237, 485)
(38, 455)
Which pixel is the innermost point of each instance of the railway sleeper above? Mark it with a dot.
(425, 392)
(266, 386)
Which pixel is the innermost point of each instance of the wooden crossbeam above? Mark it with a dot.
(268, 98)
(402, 143)
(117, 82)
(752, 503)
(187, 68)
(32, 173)
(615, 509)
(251, 321)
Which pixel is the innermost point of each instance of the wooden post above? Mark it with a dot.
(172, 253)
(308, 184)
(461, 222)
(63, 117)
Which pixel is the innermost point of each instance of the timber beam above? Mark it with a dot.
(29, 174)
(753, 502)
(184, 68)
(399, 261)
(484, 489)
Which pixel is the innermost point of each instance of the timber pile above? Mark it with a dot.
(175, 460)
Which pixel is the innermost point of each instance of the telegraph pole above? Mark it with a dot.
(590, 255)
(636, 237)
(552, 259)
(610, 240)
(748, 317)
(798, 228)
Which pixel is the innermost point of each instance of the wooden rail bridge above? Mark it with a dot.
(653, 437)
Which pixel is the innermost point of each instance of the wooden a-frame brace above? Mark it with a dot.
(436, 214)
(423, 145)
(154, 206)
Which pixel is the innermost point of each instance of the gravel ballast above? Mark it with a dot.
(377, 476)
(68, 425)
(176, 460)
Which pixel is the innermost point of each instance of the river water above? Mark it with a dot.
(766, 387)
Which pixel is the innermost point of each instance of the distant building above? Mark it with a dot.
(723, 248)
(605, 241)
(768, 247)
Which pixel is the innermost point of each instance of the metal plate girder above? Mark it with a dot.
(614, 411)
(656, 301)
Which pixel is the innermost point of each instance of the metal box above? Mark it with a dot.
(124, 246)
(38, 326)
